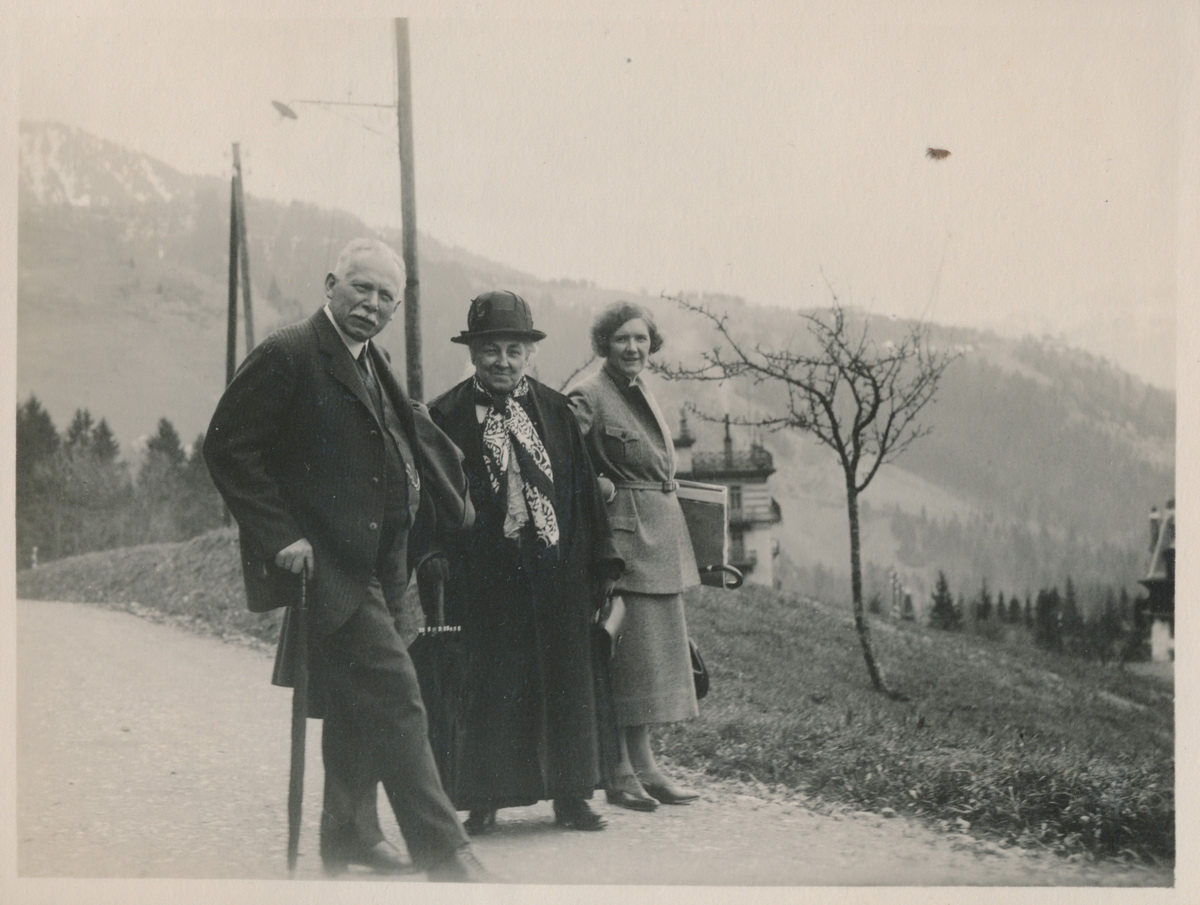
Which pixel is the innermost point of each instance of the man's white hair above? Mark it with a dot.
(356, 247)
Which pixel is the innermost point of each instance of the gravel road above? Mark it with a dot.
(144, 750)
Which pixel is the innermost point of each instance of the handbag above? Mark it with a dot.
(699, 670)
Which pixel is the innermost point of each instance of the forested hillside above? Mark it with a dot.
(1042, 463)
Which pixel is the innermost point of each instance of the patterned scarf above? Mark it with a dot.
(507, 430)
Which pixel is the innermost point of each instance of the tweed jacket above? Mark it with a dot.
(297, 450)
(628, 442)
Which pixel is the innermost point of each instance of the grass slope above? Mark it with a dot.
(1004, 742)
(1010, 742)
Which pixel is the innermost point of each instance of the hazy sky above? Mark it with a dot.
(734, 154)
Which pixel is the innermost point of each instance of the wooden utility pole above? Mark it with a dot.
(244, 246)
(408, 213)
(231, 334)
(239, 251)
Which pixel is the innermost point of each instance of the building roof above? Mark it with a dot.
(686, 438)
(1162, 551)
(755, 462)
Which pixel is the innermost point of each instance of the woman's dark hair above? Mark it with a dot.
(611, 319)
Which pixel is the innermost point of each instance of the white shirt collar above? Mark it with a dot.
(354, 346)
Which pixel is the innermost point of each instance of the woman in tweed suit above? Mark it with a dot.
(632, 451)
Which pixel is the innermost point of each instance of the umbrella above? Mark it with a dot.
(440, 664)
(439, 661)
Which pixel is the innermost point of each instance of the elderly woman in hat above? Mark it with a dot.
(525, 583)
(632, 450)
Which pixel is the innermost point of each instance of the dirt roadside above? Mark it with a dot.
(147, 751)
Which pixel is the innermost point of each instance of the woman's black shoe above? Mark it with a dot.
(480, 821)
(574, 814)
(626, 792)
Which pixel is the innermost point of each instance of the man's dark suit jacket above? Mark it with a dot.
(296, 448)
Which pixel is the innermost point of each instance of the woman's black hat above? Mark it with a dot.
(496, 312)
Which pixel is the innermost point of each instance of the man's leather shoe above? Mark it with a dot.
(626, 792)
(461, 867)
(574, 814)
(480, 821)
(667, 792)
(383, 858)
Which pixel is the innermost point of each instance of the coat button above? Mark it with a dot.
(375, 480)
(374, 526)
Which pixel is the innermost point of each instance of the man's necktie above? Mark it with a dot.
(365, 370)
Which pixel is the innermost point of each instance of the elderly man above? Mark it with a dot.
(331, 471)
(525, 583)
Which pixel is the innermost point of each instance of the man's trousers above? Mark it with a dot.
(375, 731)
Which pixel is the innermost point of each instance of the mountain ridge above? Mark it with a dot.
(122, 283)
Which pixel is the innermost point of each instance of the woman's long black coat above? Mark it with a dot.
(535, 717)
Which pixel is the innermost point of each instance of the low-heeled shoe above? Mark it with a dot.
(627, 792)
(480, 821)
(574, 814)
(668, 793)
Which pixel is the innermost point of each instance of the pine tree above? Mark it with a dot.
(95, 488)
(942, 614)
(1048, 620)
(1014, 611)
(160, 486)
(38, 482)
(983, 603)
(79, 434)
(165, 445)
(37, 439)
(104, 444)
(1071, 621)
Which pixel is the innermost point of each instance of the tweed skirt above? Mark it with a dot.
(651, 666)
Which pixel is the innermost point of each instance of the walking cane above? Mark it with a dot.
(299, 723)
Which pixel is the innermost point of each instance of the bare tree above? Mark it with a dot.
(856, 396)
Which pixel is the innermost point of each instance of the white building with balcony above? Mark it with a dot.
(753, 512)
(1159, 606)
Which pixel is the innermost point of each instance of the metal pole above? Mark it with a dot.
(408, 213)
(245, 250)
